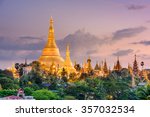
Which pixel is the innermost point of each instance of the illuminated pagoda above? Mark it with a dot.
(50, 54)
(68, 64)
(105, 69)
(89, 66)
(97, 69)
(117, 66)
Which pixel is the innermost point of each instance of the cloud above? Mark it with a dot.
(122, 52)
(128, 32)
(136, 7)
(144, 56)
(90, 52)
(19, 54)
(148, 21)
(146, 43)
(7, 43)
(30, 38)
(21, 48)
(83, 44)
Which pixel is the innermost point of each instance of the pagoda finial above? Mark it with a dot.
(68, 48)
(135, 56)
(51, 23)
(51, 19)
(51, 38)
(67, 51)
(105, 63)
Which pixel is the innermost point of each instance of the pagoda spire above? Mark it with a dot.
(96, 66)
(89, 66)
(68, 64)
(51, 37)
(105, 69)
(68, 60)
(105, 66)
(118, 66)
(135, 67)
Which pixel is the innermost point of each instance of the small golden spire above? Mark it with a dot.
(68, 64)
(51, 20)
(68, 48)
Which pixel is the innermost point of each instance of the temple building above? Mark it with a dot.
(101, 69)
(87, 66)
(51, 59)
(50, 54)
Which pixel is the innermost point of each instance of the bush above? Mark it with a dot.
(4, 93)
(45, 94)
(28, 91)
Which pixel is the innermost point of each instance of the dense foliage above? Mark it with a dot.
(42, 86)
(45, 94)
(7, 81)
(4, 93)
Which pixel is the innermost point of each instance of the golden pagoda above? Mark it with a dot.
(96, 66)
(135, 67)
(68, 64)
(50, 54)
(117, 66)
(105, 69)
(89, 66)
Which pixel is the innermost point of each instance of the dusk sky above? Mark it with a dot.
(101, 29)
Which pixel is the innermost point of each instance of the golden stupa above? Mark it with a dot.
(50, 53)
(67, 63)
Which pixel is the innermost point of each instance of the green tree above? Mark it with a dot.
(36, 66)
(33, 77)
(6, 73)
(143, 92)
(45, 94)
(115, 87)
(28, 91)
(78, 89)
(8, 83)
(0, 87)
